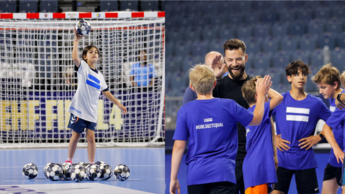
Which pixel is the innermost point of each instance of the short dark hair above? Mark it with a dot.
(86, 49)
(234, 44)
(249, 91)
(293, 67)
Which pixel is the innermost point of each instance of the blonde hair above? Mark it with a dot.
(328, 75)
(202, 78)
(342, 78)
(249, 91)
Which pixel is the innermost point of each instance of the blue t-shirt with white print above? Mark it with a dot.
(211, 128)
(338, 135)
(297, 119)
(258, 165)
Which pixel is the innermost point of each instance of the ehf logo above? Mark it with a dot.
(98, 15)
(247, 131)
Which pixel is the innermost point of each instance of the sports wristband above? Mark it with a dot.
(338, 98)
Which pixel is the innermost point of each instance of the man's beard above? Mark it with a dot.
(238, 75)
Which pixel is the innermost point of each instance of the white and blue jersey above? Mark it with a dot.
(338, 135)
(297, 119)
(258, 165)
(85, 101)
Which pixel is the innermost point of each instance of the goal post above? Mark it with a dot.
(38, 79)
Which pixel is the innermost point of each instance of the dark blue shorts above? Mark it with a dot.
(78, 125)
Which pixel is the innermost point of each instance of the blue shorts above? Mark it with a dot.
(78, 125)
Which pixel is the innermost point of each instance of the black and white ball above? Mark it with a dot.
(121, 172)
(30, 170)
(93, 172)
(107, 171)
(45, 169)
(83, 27)
(84, 164)
(99, 163)
(78, 173)
(55, 172)
(66, 170)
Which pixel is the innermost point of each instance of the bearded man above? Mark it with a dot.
(229, 87)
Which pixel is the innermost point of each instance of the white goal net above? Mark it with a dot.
(38, 80)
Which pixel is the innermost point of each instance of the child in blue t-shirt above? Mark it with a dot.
(328, 81)
(296, 119)
(210, 125)
(259, 171)
(336, 121)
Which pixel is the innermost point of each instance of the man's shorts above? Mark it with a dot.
(78, 125)
(332, 172)
(306, 180)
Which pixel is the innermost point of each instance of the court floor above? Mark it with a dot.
(322, 160)
(146, 165)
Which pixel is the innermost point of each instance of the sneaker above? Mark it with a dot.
(68, 161)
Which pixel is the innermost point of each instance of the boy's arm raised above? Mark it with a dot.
(276, 98)
(262, 87)
(75, 57)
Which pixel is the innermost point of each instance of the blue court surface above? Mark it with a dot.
(322, 160)
(146, 165)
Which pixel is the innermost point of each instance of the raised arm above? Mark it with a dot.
(75, 57)
(276, 98)
(262, 87)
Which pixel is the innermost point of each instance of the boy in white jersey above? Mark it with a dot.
(296, 119)
(84, 105)
(328, 81)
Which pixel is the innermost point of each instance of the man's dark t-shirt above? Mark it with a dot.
(231, 89)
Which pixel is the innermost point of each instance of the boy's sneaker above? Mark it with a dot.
(68, 161)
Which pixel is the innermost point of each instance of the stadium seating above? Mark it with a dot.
(8, 6)
(289, 43)
(49, 6)
(109, 6)
(28, 6)
(308, 42)
(132, 5)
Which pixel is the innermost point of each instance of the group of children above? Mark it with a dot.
(210, 125)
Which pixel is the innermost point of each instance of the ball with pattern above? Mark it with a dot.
(78, 173)
(84, 164)
(55, 172)
(121, 172)
(45, 169)
(106, 171)
(99, 163)
(30, 170)
(66, 172)
(93, 172)
(83, 27)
